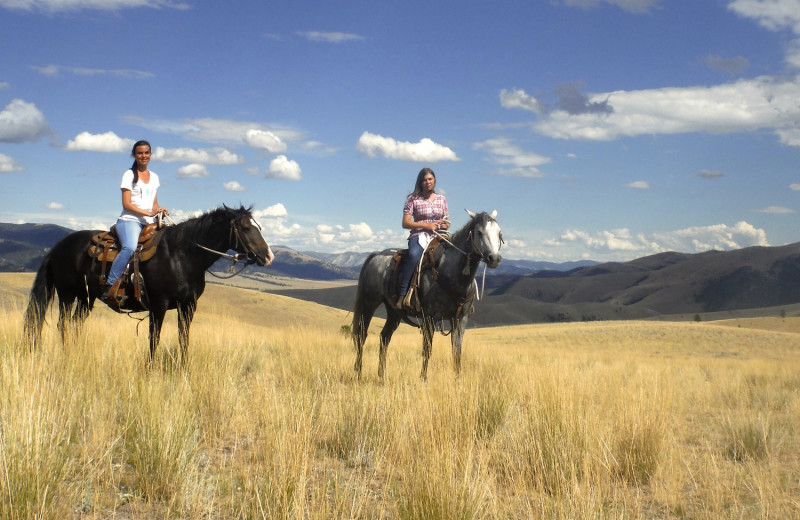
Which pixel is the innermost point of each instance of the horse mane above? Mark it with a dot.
(194, 229)
(461, 235)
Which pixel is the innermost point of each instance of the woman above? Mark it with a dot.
(424, 213)
(139, 208)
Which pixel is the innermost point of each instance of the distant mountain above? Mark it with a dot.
(294, 264)
(23, 246)
(666, 284)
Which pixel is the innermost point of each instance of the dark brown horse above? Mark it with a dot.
(174, 278)
(447, 294)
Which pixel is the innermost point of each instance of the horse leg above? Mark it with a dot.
(185, 316)
(392, 322)
(359, 333)
(65, 319)
(156, 320)
(458, 327)
(427, 342)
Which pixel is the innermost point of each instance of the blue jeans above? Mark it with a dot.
(415, 251)
(128, 232)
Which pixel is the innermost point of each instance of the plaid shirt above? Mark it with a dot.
(423, 210)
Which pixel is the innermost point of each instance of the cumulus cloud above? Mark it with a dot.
(192, 171)
(774, 15)
(9, 165)
(425, 150)
(741, 106)
(108, 142)
(21, 122)
(233, 186)
(518, 162)
(57, 70)
(264, 139)
(53, 6)
(519, 99)
(283, 168)
(622, 242)
(329, 37)
(54, 206)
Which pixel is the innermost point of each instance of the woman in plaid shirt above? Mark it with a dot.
(424, 213)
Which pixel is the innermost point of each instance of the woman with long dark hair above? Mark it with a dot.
(424, 213)
(139, 208)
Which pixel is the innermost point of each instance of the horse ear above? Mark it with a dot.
(470, 213)
(493, 214)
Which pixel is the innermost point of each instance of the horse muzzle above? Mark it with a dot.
(493, 260)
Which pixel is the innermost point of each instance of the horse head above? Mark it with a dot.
(246, 237)
(487, 237)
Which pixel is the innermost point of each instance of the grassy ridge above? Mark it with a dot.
(584, 420)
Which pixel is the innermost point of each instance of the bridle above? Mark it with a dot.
(234, 236)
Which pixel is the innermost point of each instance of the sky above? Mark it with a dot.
(598, 129)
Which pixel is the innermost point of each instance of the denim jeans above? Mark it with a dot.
(415, 251)
(128, 232)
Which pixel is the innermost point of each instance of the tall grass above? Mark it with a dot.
(602, 420)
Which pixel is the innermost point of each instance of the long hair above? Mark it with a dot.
(137, 144)
(421, 177)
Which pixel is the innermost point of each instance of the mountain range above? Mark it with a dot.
(661, 285)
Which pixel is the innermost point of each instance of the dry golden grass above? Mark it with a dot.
(266, 420)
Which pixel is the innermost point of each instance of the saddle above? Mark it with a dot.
(428, 262)
(129, 288)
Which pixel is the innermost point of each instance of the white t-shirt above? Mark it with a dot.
(143, 195)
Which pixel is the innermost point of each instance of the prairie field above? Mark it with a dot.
(265, 419)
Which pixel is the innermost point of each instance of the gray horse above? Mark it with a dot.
(446, 290)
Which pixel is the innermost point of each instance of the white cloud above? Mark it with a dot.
(57, 70)
(192, 171)
(639, 185)
(775, 15)
(424, 151)
(53, 6)
(275, 211)
(210, 130)
(775, 210)
(211, 156)
(633, 6)
(622, 242)
(517, 98)
(742, 106)
(108, 142)
(283, 168)
(795, 186)
(9, 165)
(21, 121)
(502, 151)
(264, 139)
(233, 186)
(329, 37)
(54, 206)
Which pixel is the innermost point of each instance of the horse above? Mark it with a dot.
(445, 291)
(174, 278)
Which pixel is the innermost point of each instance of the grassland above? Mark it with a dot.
(266, 420)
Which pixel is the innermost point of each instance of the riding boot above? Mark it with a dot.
(112, 297)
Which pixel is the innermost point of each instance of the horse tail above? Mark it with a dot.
(42, 294)
(361, 315)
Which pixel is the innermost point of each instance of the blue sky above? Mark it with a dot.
(600, 129)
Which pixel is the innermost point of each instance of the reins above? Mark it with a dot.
(247, 258)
